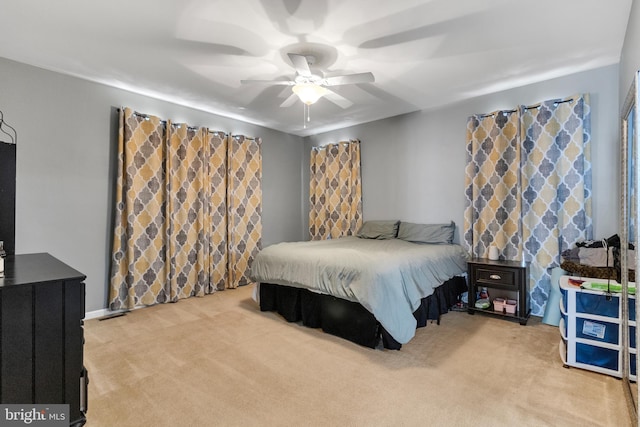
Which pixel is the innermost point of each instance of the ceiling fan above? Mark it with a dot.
(309, 87)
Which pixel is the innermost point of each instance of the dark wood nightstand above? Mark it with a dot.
(505, 279)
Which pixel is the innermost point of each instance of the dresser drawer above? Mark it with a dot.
(496, 275)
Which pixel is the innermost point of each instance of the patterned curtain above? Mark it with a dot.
(217, 172)
(175, 220)
(188, 213)
(528, 186)
(335, 190)
(556, 186)
(197, 206)
(492, 195)
(140, 264)
(244, 198)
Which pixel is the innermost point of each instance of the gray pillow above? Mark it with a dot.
(426, 233)
(380, 230)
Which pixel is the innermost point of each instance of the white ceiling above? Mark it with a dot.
(423, 53)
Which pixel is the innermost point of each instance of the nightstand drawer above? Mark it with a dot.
(495, 275)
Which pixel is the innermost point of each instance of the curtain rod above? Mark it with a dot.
(147, 117)
(320, 147)
(493, 114)
(529, 107)
(555, 103)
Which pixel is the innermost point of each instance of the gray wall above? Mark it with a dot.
(630, 58)
(65, 162)
(413, 165)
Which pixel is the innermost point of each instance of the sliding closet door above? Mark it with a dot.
(630, 260)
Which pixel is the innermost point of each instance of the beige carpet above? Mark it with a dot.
(219, 361)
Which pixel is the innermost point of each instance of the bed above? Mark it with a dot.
(377, 286)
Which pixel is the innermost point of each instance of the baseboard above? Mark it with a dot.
(97, 313)
(103, 312)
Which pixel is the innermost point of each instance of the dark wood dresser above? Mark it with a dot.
(41, 334)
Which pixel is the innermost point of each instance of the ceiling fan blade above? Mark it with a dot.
(339, 100)
(300, 64)
(350, 79)
(270, 82)
(290, 100)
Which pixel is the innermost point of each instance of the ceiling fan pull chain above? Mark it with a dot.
(304, 114)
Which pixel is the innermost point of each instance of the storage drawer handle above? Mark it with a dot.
(495, 277)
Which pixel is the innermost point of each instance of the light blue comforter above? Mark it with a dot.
(388, 277)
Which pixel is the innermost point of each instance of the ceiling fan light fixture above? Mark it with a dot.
(309, 93)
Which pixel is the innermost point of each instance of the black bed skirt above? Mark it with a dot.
(351, 320)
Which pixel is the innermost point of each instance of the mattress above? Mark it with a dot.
(389, 277)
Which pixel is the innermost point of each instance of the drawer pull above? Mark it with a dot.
(495, 277)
